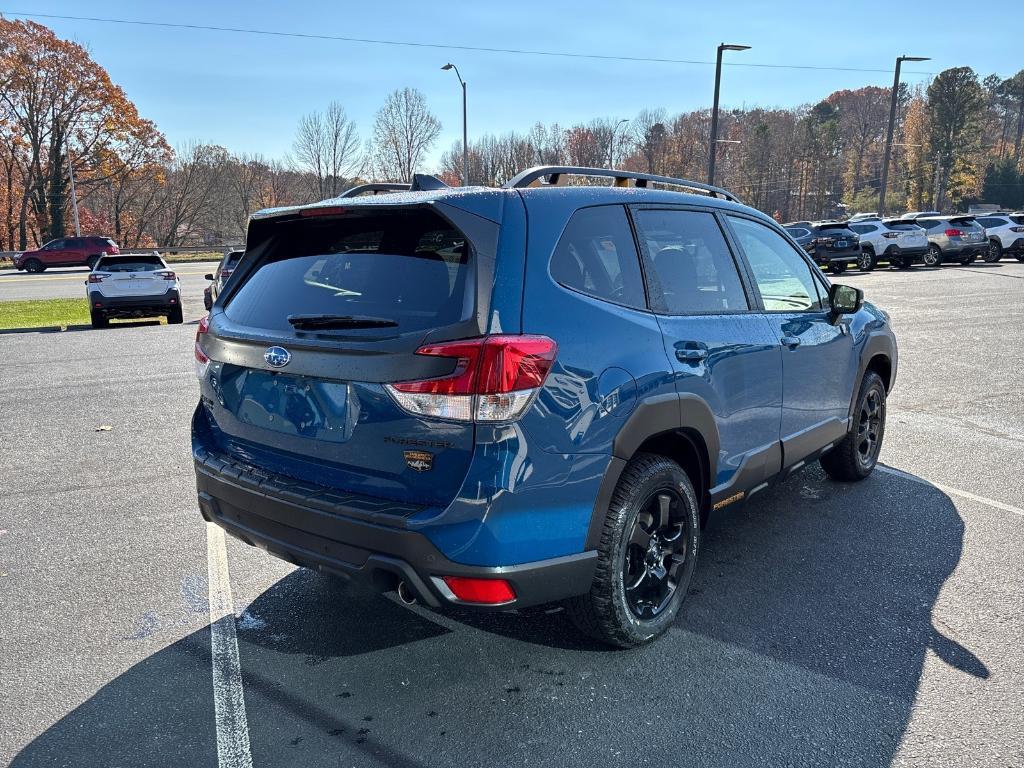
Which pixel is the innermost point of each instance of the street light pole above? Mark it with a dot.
(74, 197)
(714, 109)
(611, 148)
(465, 144)
(892, 125)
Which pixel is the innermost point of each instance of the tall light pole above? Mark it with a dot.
(611, 148)
(714, 109)
(465, 145)
(892, 125)
(74, 197)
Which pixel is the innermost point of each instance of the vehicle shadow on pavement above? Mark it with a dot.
(802, 643)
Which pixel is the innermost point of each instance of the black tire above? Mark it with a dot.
(653, 498)
(174, 317)
(99, 320)
(856, 455)
(837, 267)
(1020, 258)
(994, 252)
(933, 256)
(867, 261)
(34, 265)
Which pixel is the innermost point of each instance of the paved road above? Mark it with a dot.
(871, 624)
(70, 283)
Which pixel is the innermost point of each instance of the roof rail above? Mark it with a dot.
(375, 188)
(552, 175)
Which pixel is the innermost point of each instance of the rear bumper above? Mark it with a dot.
(915, 254)
(822, 256)
(159, 304)
(304, 526)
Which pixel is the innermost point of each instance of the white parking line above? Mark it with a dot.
(228, 698)
(956, 491)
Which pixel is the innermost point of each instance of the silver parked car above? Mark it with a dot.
(952, 238)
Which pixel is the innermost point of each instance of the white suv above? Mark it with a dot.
(133, 285)
(1005, 232)
(897, 241)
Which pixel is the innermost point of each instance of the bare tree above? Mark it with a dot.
(327, 147)
(403, 133)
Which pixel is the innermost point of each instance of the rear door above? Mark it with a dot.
(720, 346)
(303, 396)
(819, 368)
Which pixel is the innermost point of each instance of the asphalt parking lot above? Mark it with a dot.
(880, 623)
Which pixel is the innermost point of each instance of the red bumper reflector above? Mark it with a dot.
(488, 591)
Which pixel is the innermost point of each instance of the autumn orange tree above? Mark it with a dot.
(59, 111)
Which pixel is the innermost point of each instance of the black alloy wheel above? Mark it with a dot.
(869, 428)
(994, 252)
(655, 556)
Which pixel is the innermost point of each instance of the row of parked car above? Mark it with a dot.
(927, 237)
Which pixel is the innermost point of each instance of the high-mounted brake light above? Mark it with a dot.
(495, 379)
(484, 591)
(954, 233)
(331, 210)
(202, 361)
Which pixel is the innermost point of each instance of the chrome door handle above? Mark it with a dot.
(791, 341)
(691, 355)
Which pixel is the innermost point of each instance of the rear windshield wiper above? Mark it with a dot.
(327, 322)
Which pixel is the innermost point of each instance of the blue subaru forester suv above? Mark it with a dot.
(510, 397)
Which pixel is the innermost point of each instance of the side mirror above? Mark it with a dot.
(845, 299)
(208, 276)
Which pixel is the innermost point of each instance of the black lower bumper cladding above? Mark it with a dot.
(299, 527)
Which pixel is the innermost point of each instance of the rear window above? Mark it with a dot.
(797, 232)
(408, 266)
(1017, 218)
(902, 226)
(862, 229)
(141, 263)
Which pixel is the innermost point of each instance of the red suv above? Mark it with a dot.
(66, 252)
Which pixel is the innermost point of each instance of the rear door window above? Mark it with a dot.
(596, 256)
(407, 266)
(690, 269)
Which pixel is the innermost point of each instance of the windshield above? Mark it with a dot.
(408, 266)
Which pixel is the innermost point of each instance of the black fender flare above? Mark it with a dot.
(654, 416)
(876, 344)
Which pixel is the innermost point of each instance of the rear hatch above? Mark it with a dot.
(836, 237)
(121, 276)
(970, 230)
(908, 235)
(328, 306)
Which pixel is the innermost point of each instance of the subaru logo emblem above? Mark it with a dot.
(277, 357)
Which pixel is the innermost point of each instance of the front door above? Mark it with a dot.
(819, 368)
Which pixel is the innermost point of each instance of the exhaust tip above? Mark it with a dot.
(405, 594)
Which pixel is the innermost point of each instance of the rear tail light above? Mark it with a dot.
(484, 591)
(890, 235)
(1017, 229)
(94, 278)
(495, 379)
(954, 233)
(168, 275)
(202, 361)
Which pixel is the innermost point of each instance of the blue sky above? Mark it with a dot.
(246, 92)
